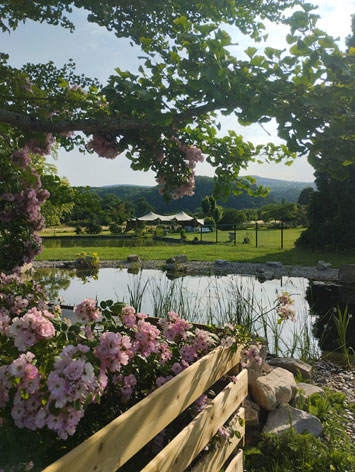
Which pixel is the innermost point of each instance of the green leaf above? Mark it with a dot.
(250, 52)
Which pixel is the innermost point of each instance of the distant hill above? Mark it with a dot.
(279, 190)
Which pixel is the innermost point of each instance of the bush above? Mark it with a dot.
(78, 230)
(86, 260)
(115, 228)
(93, 228)
(62, 381)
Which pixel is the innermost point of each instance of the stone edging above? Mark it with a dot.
(218, 268)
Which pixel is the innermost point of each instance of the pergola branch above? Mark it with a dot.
(106, 125)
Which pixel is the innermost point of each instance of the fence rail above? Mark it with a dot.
(112, 446)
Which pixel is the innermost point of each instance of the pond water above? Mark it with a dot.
(240, 299)
(68, 241)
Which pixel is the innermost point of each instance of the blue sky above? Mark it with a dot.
(97, 52)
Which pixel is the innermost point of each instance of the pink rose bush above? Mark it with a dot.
(56, 376)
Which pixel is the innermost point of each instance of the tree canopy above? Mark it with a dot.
(165, 117)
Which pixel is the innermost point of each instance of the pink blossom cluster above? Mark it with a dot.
(41, 147)
(200, 345)
(128, 317)
(146, 339)
(251, 356)
(285, 309)
(174, 326)
(31, 328)
(201, 403)
(104, 146)
(126, 384)
(114, 351)
(87, 311)
(73, 377)
(24, 206)
(191, 155)
(21, 158)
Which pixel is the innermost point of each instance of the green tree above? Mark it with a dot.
(87, 205)
(166, 116)
(305, 196)
(331, 214)
(211, 209)
(142, 207)
(232, 217)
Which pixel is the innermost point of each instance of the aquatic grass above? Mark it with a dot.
(341, 324)
(230, 302)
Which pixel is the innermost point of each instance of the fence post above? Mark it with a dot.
(200, 233)
(282, 234)
(235, 234)
(256, 234)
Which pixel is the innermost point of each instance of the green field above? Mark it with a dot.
(268, 249)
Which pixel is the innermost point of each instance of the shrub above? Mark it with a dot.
(54, 374)
(93, 228)
(86, 260)
(115, 228)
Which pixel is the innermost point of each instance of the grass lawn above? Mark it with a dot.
(238, 253)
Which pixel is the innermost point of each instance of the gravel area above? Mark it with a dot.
(335, 377)
(267, 270)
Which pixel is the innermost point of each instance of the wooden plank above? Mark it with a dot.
(182, 450)
(117, 442)
(236, 465)
(214, 460)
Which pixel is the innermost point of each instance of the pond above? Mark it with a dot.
(100, 241)
(239, 299)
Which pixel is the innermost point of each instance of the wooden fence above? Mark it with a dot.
(112, 446)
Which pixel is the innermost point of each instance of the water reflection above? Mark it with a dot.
(102, 241)
(324, 300)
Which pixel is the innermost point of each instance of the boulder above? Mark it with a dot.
(252, 412)
(280, 420)
(293, 365)
(276, 264)
(306, 390)
(346, 274)
(221, 262)
(321, 265)
(133, 258)
(271, 390)
(181, 258)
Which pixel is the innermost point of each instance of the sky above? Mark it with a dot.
(97, 52)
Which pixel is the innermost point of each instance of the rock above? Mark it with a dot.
(280, 420)
(275, 264)
(293, 365)
(133, 258)
(221, 262)
(321, 265)
(180, 258)
(346, 274)
(263, 275)
(306, 390)
(252, 411)
(271, 390)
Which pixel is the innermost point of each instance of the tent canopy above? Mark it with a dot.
(180, 217)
